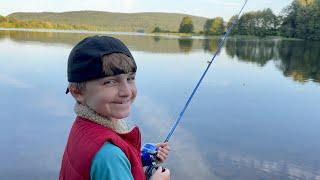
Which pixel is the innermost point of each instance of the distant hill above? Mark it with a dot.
(112, 21)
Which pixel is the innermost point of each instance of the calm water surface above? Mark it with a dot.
(255, 116)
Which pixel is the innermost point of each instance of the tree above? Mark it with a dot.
(288, 21)
(214, 26)
(156, 29)
(186, 25)
(246, 24)
(2, 19)
(229, 24)
(305, 2)
(301, 20)
(258, 23)
(207, 26)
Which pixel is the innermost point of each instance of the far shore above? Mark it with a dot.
(173, 35)
(162, 34)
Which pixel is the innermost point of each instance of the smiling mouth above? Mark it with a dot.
(122, 102)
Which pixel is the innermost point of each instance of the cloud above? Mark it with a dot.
(8, 80)
(55, 106)
(155, 118)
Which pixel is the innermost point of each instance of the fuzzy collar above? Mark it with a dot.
(119, 126)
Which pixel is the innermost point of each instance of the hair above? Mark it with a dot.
(112, 64)
(118, 63)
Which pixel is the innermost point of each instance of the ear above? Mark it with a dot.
(77, 94)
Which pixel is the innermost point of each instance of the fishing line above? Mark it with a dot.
(220, 44)
(145, 151)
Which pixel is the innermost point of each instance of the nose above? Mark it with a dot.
(124, 89)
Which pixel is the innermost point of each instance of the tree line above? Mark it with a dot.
(11, 22)
(301, 19)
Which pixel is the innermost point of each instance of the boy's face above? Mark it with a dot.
(111, 96)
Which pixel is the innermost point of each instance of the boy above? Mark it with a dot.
(101, 75)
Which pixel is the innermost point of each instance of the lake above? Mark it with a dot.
(255, 115)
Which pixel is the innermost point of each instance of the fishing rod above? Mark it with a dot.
(150, 148)
(220, 44)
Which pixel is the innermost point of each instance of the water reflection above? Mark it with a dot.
(299, 60)
(202, 160)
(185, 44)
(296, 59)
(243, 166)
(154, 120)
(260, 130)
(256, 51)
(154, 44)
(210, 45)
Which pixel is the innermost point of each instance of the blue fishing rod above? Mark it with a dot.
(149, 151)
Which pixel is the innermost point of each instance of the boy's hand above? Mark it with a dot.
(161, 174)
(163, 151)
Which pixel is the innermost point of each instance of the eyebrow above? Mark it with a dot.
(110, 77)
(106, 78)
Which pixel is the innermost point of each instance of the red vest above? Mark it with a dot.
(86, 138)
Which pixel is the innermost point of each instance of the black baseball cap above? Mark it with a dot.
(85, 59)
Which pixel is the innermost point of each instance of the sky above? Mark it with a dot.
(204, 8)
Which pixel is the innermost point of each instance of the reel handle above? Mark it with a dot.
(149, 158)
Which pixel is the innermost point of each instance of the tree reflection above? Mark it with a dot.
(299, 60)
(210, 45)
(156, 38)
(185, 45)
(255, 50)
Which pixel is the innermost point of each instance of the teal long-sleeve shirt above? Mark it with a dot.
(110, 163)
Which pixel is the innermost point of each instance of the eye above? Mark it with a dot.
(109, 82)
(131, 78)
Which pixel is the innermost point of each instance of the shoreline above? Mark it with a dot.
(168, 35)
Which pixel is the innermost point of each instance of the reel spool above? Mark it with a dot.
(149, 154)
